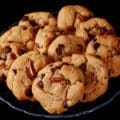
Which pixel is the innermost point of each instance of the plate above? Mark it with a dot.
(34, 109)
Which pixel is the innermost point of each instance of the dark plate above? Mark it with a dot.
(34, 109)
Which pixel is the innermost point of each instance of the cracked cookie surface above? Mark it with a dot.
(96, 75)
(22, 73)
(58, 86)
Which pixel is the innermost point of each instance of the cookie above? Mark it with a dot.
(106, 47)
(66, 45)
(93, 27)
(58, 87)
(22, 73)
(70, 16)
(96, 75)
(22, 34)
(9, 51)
(45, 37)
(38, 19)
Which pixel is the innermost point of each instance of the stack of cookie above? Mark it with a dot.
(59, 62)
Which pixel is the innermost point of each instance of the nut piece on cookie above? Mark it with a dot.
(38, 19)
(22, 73)
(96, 75)
(70, 16)
(58, 86)
(93, 27)
(66, 45)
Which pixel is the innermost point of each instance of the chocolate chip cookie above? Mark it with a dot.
(96, 75)
(38, 19)
(22, 73)
(70, 16)
(45, 37)
(93, 27)
(58, 86)
(66, 45)
(9, 51)
(22, 34)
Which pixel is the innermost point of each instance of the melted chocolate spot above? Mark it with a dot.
(42, 76)
(24, 27)
(15, 71)
(57, 79)
(65, 104)
(21, 51)
(59, 49)
(13, 56)
(96, 46)
(7, 49)
(102, 30)
(29, 91)
(83, 66)
(33, 23)
(40, 84)
(25, 18)
(30, 70)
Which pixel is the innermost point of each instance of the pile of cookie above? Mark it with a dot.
(61, 61)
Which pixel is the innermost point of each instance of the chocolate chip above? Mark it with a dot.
(102, 30)
(97, 56)
(59, 49)
(29, 91)
(25, 18)
(109, 32)
(84, 96)
(7, 49)
(118, 52)
(22, 51)
(3, 56)
(65, 104)
(15, 71)
(42, 76)
(53, 69)
(40, 84)
(96, 46)
(33, 23)
(30, 70)
(13, 56)
(24, 27)
(67, 82)
(80, 47)
(83, 67)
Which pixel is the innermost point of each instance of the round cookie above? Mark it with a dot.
(22, 34)
(106, 48)
(38, 19)
(66, 45)
(93, 27)
(70, 16)
(22, 73)
(9, 51)
(58, 86)
(96, 75)
(45, 36)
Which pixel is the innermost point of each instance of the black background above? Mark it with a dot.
(13, 10)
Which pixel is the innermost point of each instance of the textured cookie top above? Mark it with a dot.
(58, 86)
(22, 73)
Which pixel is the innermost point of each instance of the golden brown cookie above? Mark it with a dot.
(22, 73)
(70, 16)
(93, 27)
(58, 86)
(38, 19)
(96, 75)
(66, 45)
